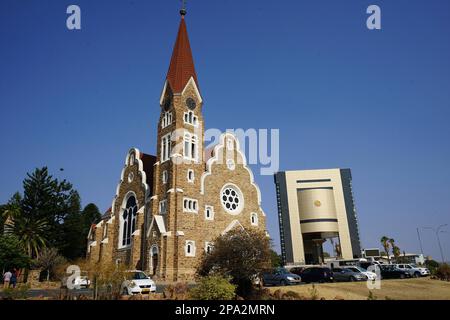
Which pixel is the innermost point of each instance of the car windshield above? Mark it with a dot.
(138, 276)
(305, 271)
(358, 269)
(281, 271)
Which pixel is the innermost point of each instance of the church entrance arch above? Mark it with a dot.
(154, 259)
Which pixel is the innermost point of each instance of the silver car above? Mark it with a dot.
(414, 270)
(345, 274)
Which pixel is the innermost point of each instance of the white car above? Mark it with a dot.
(137, 282)
(372, 276)
(414, 270)
(82, 282)
(78, 282)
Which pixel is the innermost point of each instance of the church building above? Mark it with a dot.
(169, 208)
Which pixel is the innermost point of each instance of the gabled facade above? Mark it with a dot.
(169, 208)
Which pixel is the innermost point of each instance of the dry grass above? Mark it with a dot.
(408, 289)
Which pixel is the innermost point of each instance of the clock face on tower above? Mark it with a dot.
(190, 103)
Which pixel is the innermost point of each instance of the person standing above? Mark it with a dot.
(7, 279)
(13, 280)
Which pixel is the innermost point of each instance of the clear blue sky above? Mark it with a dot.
(341, 95)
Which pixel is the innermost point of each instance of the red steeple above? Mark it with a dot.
(181, 67)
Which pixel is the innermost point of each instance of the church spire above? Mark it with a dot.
(181, 67)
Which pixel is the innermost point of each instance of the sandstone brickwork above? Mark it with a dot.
(158, 221)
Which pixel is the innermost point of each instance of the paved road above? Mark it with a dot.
(34, 293)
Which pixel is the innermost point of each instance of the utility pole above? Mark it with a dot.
(420, 241)
(436, 231)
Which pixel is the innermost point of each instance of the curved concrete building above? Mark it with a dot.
(315, 206)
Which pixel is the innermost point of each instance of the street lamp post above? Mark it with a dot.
(436, 231)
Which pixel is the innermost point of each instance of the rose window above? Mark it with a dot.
(232, 199)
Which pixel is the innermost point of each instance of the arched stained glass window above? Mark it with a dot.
(129, 221)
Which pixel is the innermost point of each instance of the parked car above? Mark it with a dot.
(346, 274)
(390, 271)
(414, 270)
(137, 282)
(317, 274)
(370, 275)
(79, 282)
(366, 265)
(297, 270)
(280, 277)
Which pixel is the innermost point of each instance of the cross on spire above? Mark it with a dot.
(183, 8)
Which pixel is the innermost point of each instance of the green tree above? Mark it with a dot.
(396, 252)
(49, 214)
(91, 215)
(13, 207)
(392, 244)
(12, 254)
(32, 233)
(3, 208)
(74, 244)
(275, 258)
(46, 198)
(241, 255)
(385, 242)
(76, 228)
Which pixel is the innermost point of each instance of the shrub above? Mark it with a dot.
(214, 288)
(241, 255)
(443, 272)
(292, 295)
(432, 265)
(179, 291)
(313, 293)
(371, 296)
(19, 293)
(106, 278)
(49, 260)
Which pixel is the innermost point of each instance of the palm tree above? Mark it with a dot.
(385, 242)
(396, 252)
(392, 243)
(30, 232)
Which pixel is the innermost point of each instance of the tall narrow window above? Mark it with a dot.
(209, 213)
(163, 207)
(209, 247)
(190, 118)
(166, 119)
(190, 175)
(190, 146)
(190, 205)
(129, 216)
(165, 148)
(187, 138)
(190, 248)
(254, 219)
